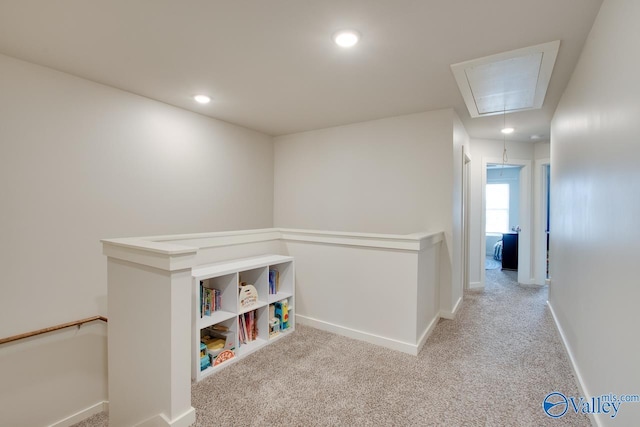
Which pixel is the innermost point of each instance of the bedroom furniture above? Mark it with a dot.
(510, 251)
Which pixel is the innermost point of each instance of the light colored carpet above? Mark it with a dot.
(492, 366)
(491, 264)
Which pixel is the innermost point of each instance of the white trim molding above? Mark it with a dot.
(525, 273)
(405, 347)
(175, 252)
(452, 314)
(539, 271)
(82, 415)
(582, 388)
(476, 285)
(161, 420)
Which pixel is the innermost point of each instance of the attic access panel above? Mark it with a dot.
(511, 81)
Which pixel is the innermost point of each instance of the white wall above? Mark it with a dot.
(595, 208)
(346, 292)
(80, 162)
(394, 175)
(51, 377)
(541, 150)
(382, 176)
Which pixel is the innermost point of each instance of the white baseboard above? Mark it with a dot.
(82, 415)
(402, 346)
(451, 314)
(427, 332)
(531, 285)
(576, 372)
(476, 285)
(185, 420)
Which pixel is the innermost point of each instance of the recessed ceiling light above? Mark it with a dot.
(536, 136)
(202, 99)
(507, 131)
(346, 38)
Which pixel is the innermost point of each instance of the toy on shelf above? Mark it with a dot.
(205, 362)
(274, 327)
(223, 357)
(248, 295)
(282, 313)
(216, 339)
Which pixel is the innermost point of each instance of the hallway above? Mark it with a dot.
(514, 353)
(492, 366)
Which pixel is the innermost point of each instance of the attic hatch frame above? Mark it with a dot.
(549, 52)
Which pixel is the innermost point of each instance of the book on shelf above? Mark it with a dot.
(274, 281)
(207, 302)
(247, 327)
(242, 331)
(210, 300)
(201, 296)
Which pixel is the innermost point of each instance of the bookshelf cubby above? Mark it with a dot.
(225, 323)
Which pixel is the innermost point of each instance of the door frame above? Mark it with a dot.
(466, 167)
(525, 254)
(539, 225)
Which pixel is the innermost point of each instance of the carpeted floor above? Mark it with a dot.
(492, 366)
(491, 264)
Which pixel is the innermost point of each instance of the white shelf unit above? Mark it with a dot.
(226, 277)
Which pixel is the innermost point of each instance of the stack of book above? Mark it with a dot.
(248, 327)
(210, 300)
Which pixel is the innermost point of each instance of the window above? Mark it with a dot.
(497, 208)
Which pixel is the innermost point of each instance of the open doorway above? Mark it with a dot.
(502, 216)
(506, 217)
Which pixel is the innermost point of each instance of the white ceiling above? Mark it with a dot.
(272, 66)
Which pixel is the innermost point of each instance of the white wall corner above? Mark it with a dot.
(451, 314)
(427, 333)
(185, 420)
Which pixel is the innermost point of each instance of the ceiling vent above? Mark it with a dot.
(507, 82)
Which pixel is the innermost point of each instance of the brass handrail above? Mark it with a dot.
(52, 328)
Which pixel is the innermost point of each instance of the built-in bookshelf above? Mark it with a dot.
(239, 307)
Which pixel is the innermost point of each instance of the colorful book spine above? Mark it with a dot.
(201, 296)
(274, 281)
(218, 299)
(207, 303)
(247, 327)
